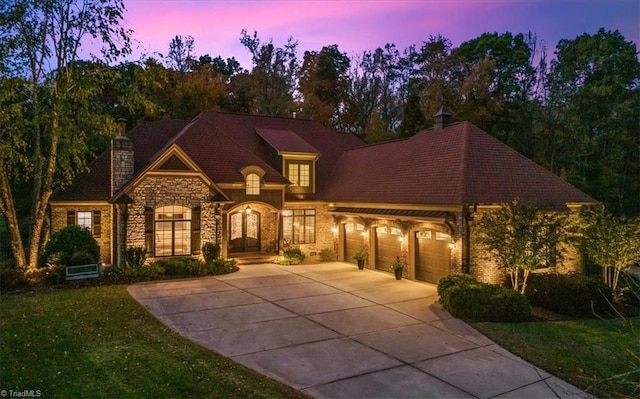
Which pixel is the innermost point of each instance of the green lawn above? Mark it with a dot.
(100, 343)
(585, 353)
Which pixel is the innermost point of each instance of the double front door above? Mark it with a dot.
(244, 232)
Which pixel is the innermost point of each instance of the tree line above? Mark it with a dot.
(575, 113)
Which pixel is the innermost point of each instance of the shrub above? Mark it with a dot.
(187, 267)
(221, 266)
(135, 256)
(71, 245)
(452, 280)
(210, 252)
(569, 294)
(328, 255)
(466, 298)
(12, 277)
(119, 275)
(294, 256)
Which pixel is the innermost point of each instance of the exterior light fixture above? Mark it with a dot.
(334, 229)
(364, 233)
(401, 239)
(452, 245)
(247, 210)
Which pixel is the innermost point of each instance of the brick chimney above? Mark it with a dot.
(121, 158)
(441, 119)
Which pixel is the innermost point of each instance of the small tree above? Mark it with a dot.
(613, 244)
(521, 238)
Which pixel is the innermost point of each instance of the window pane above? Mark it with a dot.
(163, 238)
(173, 212)
(253, 184)
(287, 226)
(304, 175)
(182, 239)
(293, 173)
(84, 220)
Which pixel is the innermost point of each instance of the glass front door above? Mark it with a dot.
(244, 232)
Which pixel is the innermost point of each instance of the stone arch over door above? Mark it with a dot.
(244, 231)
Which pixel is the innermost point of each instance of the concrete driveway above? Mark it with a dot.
(333, 331)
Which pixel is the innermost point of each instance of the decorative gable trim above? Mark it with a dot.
(164, 165)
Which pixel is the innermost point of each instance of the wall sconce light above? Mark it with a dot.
(247, 210)
(334, 229)
(364, 233)
(401, 239)
(452, 245)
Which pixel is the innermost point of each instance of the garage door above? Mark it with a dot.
(387, 247)
(353, 240)
(433, 255)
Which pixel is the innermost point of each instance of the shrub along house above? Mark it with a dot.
(258, 185)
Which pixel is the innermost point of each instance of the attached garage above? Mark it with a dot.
(388, 246)
(353, 240)
(433, 255)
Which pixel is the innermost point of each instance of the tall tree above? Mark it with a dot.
(273, 75)
(181, 54)
(323, 83)
(39, 44)
(595, 97)
(500, 67)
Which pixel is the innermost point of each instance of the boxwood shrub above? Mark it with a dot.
(569, 294)
(466, 298)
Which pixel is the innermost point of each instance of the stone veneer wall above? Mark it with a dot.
(59, 221)
(157, 191)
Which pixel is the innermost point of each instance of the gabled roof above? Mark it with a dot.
(459, 164)
(221, 145)
(95, 184)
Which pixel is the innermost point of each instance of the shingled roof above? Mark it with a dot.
(459, 164)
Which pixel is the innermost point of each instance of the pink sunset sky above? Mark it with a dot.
(356, 26)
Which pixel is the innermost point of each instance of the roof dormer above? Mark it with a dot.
(298, 158)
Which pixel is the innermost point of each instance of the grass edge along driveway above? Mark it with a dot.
(99, 342)
(600, 356)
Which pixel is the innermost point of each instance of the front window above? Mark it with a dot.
(253, 184)
(300, 174)
(84, 220)
(299, 226)
(172, 231)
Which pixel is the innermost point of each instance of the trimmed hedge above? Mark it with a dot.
(569, 294)
(466, 298)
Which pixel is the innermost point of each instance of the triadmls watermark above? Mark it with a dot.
(20, 393)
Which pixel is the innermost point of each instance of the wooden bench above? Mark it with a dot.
(84, 271)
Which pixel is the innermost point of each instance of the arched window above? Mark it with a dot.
(253, 184)
(172, 231)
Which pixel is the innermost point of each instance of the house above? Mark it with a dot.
(258, 184)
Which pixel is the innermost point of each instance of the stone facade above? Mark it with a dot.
(157, 191)
(59, 221)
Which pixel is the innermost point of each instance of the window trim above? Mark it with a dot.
(308, 217)
(167, 217)
(252, 184)
(93, 223)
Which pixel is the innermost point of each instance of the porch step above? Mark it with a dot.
(253, 259)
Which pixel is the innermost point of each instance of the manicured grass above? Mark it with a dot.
(100, 343)
(585, 353)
